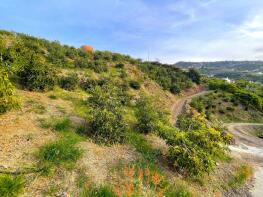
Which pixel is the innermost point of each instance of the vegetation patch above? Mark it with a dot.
(11, 186)
(240, 176)
(7, 96)
(62, 152)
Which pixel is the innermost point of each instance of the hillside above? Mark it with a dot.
(247, 70)
(78, 123)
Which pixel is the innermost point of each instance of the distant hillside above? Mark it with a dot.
(248, 70)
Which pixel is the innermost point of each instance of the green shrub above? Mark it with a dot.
(195, 149)
(102, 191)
(179, 190)
(119, 65)
(146, 114)
(7, 98)
(240, 176)
(11, 186)
(61, 124)
(61, 152)
(175, 89)
(88, 84)
(230, 108)
(259, 134)
(194, 75)
(69, 82)
(98, 66)
(135, 85)
(37, 75)
(107, 124)
(166, 75)
(249, 99)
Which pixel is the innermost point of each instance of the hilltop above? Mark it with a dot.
(247, 70)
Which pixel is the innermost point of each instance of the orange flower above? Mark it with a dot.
(156, 179)
(128, 189)
(117, 191)
(140, 175)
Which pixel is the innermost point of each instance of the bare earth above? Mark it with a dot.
(249, 148)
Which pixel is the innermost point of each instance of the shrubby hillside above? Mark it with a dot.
(99, 124)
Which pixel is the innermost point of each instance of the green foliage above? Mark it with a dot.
(69, 82)
(60, 152)
(102, 191)
(37, 75)
(167, 76)
(135, 85)
(7, 97)
(179, 190)
(240, 92)
(11, 186)
(146, 114)
(250, 99)
(98, 66)
(142, 146)
(194, 75)
(175, 89)
(107, 124)
(195, 148)
(119, 65)
(240, 176)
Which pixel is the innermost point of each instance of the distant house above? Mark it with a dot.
(228, 80)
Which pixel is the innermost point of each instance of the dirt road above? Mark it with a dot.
(250, 148)
(179, 105)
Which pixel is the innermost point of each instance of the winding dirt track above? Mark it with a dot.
(179, 105)
(249, 148)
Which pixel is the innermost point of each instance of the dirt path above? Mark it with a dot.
(179, 105)
(249, 148)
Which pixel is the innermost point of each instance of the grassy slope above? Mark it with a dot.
(225, 110)
(40, 120)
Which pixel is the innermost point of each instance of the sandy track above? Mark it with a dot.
(179, 105)
(250, 148)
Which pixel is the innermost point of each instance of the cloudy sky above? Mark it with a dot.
(167, 30)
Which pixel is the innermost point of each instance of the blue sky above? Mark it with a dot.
(169, 30)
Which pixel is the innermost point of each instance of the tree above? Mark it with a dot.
(194, 75)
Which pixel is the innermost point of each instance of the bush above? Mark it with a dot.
(60, 152)
(230, 108)
(37, 75)
(146, 114)
(179, 191)
(7, 98)
(135, 85)
(69, 82)
(107, 124)
(102, 191)
(194, 75)
(195, 150)
(175, 89)
(11, 186)
(240, 176)
(119, 65)
(98, 66)
(250, 99)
